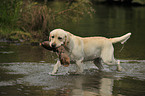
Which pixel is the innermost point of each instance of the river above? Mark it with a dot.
(24, 68)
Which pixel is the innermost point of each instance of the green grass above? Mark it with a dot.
(20, 19)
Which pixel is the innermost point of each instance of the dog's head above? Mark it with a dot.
(57, 38)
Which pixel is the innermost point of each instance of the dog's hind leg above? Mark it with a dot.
(107, 56)
(98, 63)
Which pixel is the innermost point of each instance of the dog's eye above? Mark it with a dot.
(59, 38)
(52, 37)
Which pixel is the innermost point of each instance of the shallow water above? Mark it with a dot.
(24, 69)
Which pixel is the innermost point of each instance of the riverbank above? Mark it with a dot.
(32, 21)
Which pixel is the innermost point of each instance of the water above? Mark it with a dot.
(24, 69)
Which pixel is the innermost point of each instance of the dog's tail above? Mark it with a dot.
(121, 39)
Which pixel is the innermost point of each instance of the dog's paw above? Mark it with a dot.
(52, 74)
(119, 68)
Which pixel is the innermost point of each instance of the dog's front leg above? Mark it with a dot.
(80, 68)
(56, 66)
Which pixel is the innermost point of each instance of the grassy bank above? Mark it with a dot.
(28, 20)
(10, 15)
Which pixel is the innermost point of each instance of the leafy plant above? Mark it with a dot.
(38, 19)
(10, 11)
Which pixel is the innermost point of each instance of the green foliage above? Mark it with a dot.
(10, 11)
(74, 11)
(9, 15)
(39, 18)
(36, 16)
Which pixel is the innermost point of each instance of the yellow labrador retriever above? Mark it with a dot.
(80, 49)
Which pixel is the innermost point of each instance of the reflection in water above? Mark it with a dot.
(25, 53)
(32, 78)
(106, 87)
(101, 87)
(129, 86)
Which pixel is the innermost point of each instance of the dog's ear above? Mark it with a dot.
(66, 40)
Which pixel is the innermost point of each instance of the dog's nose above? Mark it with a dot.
(53, 45)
